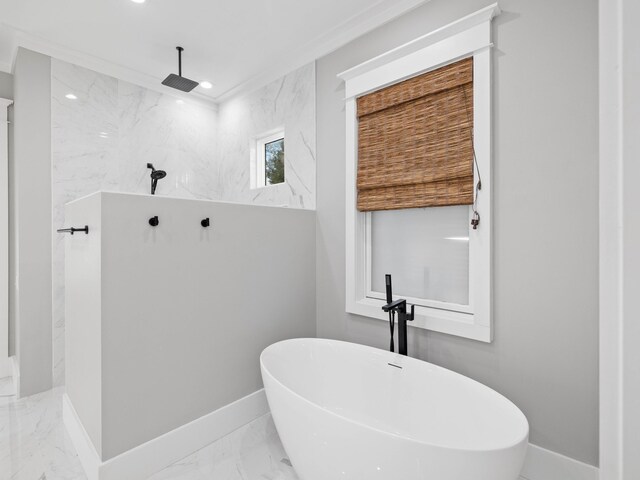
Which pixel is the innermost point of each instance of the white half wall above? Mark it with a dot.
(166, 324)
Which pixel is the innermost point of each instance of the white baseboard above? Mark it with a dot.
(87, 454)
(151, 457)
(542, 464)
(148, 458)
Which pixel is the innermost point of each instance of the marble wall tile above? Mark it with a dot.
(176, 137)
(84, 143)
(288, 102)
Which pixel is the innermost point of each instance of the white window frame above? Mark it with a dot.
(258, 161)
(469, 36)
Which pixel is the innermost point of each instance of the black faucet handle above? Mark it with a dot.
(397, 305)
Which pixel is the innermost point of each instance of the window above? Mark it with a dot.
(438, 261)
(274, 162)
(415, 150)
(268, 166)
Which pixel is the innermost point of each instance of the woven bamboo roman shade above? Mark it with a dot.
(415, 143)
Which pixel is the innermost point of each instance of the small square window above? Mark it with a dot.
(268, 161)
(274, 162)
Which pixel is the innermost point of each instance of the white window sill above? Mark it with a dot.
(445, 321)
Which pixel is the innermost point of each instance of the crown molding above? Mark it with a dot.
(28, 41)
(476, 18)
(382, 12)
(352, 28)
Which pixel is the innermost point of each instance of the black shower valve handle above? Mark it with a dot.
(411, 316)
(205, 222)
(154, 221)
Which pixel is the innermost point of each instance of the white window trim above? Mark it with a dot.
(469, 36)
(257, 168)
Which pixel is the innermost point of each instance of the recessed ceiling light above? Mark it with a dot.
(206, 85)
(71, 96)
(138, 1)
(180, 102)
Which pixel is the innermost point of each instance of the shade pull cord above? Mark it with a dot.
(475, 220)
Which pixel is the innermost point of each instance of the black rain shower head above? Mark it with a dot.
(178, 81)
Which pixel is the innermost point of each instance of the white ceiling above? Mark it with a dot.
(234, 44)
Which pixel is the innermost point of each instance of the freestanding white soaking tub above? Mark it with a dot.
(351, 412)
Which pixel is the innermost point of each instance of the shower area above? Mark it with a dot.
(185, 271)
(113, 136)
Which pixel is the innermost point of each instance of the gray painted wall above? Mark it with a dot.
(6, 85)
(545, 353)
(30, 204)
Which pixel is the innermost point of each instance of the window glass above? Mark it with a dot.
(426, 250)
(274, 162)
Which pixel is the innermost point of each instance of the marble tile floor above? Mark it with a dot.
(33, 442)
(34, 445)
(253, 452)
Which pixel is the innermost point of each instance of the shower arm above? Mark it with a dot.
(73, 230)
